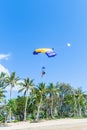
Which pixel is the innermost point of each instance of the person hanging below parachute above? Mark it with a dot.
(43, 71)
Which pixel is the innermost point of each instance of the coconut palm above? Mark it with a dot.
(2, 80)
(27, 85)
(65, 89)
(1, 93)
(74, 102)
(53, 94)
(80, 101)
(40, 94)
(2, 86)
(11, 81)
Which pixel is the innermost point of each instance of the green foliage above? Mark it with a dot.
(16, 121)
(42, 101)
(12, 104)
(20, 103)
(2, 118)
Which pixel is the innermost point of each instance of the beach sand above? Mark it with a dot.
(60, 124)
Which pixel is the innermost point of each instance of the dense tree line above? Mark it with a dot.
(42, 101)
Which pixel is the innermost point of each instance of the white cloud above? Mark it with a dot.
(4, 56)
(3, 69)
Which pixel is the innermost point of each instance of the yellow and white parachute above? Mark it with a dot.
(48, 51)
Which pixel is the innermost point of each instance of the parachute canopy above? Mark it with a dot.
(48, 51)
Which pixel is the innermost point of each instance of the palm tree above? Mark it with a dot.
(27, 86)
(40, 93)
(11, 80)
(80, 101)
(74, 102)
(2, 80)
(65, 89)
(2, 86)
(1, 93)
(53, 93)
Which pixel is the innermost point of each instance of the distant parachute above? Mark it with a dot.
(48, 51)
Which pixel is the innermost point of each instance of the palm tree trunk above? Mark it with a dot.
(10, 92)
(25, 113)
(79, 110)
(75, 106)
(38, 109)
(51, 109)
(10, 106)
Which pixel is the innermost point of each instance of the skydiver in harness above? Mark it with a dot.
(43, 72)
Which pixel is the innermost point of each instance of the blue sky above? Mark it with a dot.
(29, 24)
